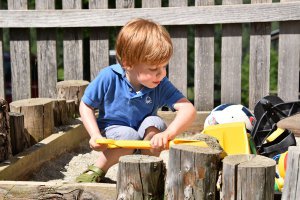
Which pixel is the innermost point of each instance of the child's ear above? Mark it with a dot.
(126, 66)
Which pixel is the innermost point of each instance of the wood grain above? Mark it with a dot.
(99, 42)
(244, 13)
(291, 189)
(2, 73)
(178, 63)
(20, 56)
(231, 60)
(259, 69)
(192, 172)
(140, 177)
(48, 190)
(288, 60)
(38, 117)
(20, 140)
(248, 177)
(204, 63)
(46, 55)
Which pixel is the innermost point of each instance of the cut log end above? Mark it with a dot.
(140, 159)
(30, 102)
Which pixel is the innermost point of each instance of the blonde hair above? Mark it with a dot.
(143, 41)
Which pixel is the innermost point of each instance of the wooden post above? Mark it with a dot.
(71, 109)
(71, 90)
(60, 112)
(19, 139)
(140, 177)
(5, 144)
(291, 186)
(248, 177)
(38, 117)
(192, 172)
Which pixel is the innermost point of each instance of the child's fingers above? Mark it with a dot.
(158, 143)
(98, 147)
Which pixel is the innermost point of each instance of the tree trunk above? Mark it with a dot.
(140, 177)
(19, 139)
(71, 109)
(38, 117)
(71, 90)
(5, 143)
(60, 112)
(248, 177)
(192, 172)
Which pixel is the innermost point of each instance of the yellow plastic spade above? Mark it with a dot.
(145, 144)
(232, 137)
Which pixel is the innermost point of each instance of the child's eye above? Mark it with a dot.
(153, 69)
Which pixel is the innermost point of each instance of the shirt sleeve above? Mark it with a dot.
(95, 92)
(169, 94)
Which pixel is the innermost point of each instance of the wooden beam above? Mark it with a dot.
(23, 164)
(55, 190)
(243, 13)
(197, 125)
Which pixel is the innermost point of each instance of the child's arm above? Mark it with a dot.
(186, 114)
(89, 121)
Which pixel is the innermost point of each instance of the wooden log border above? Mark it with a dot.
(22, 164)
(19, 166)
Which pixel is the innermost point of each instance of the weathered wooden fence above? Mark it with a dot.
(203, 15)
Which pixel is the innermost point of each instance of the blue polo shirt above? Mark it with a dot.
(120, 104)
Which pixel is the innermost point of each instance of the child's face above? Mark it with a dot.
(148, 75)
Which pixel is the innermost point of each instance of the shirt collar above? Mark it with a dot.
(118, 69)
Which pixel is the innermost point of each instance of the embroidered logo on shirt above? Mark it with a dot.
(148, 100)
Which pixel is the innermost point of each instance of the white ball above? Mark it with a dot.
(228, 113)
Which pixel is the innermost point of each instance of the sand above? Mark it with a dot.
(69, 165)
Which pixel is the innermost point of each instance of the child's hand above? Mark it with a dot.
(160, 141)
(95, 146)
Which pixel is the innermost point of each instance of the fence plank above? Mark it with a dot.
(288, 60)
(204, 63)
(244, 13)
(20, 56)
(259, 71)
(151, 3)
(125, 4)
(99, 42)
(46, 55)
(178, 62)
(231, 60)
(72, 42)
